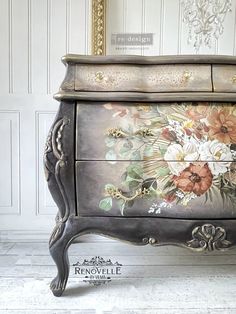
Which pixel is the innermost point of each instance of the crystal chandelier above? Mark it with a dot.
(205, 20)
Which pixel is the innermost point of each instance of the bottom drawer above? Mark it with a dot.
(149, 188)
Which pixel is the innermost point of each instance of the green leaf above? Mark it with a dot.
(106, 203)
(128, 144)
(150, 182)
(124, 152)
(109, 186)
(162, 172)
(148, 151)
(162, 149)
(133, 184)
(136, 156)
(110, 155)
(110, 141)
(135, 170)
(133, 174)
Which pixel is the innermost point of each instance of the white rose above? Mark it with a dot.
(217, 154)
(179, 157)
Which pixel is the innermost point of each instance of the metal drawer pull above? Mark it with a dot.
(116, 133)
(117, 194)
(119, 133)
(186, 75)
(234, 79)
(99, 76)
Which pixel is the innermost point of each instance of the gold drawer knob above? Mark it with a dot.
(234, 79)
(186, 75)
(99, 76)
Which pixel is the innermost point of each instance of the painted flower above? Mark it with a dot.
(218, 155)
(169, 135)
(179, 157)
(196, 178)
(231, 174)
(222, 125)
(120, 110)
(198, 112)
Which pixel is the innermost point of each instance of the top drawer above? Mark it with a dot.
(224, 78)
(140, 78)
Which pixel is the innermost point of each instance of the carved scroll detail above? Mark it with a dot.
(152, 241)
(54, 160)
(208, 238)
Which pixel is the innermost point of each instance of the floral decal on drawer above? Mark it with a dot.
(178, 152)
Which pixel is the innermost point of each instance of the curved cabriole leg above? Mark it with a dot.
(59, 171)
(61, 238)
(59, 253)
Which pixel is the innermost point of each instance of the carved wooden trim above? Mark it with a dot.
(99, 27)
(169, 59)
(208, 238)
(145, 97)
(53, 166)
(54, 145)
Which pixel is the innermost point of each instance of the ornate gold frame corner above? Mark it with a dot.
(99, 27)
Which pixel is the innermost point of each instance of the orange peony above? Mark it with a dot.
(222, 125)
(196, 178)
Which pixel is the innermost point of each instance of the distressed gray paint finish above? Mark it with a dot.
(224, 78)
(145, 97)
(207, 226)
(135, 59)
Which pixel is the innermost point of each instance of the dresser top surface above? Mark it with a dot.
(135, 59)
(149, 78)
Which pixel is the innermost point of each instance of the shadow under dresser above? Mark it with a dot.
(143, 149)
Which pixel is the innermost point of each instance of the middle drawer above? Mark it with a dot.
(180, 131)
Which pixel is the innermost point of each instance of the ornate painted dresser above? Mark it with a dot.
(143, 149)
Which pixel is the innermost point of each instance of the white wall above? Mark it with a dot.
(164, 19)
(34, 35)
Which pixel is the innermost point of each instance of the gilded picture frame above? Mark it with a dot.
(98, 27)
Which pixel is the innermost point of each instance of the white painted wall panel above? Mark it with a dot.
(115, 23)
(9, 163)
(34, 36)
(226, 41)
(133, 22)
(4, 35)
(165, 19)
(20, 49)
(39, 46)
(58, 41)
(79, 27)
(45, 204)
(153, 23)
(171, 30)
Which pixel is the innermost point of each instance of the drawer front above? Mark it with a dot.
(152, 78)
(151, 188)
(169, 132)
(224, 78)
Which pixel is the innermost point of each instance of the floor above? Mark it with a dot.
(164, 280)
